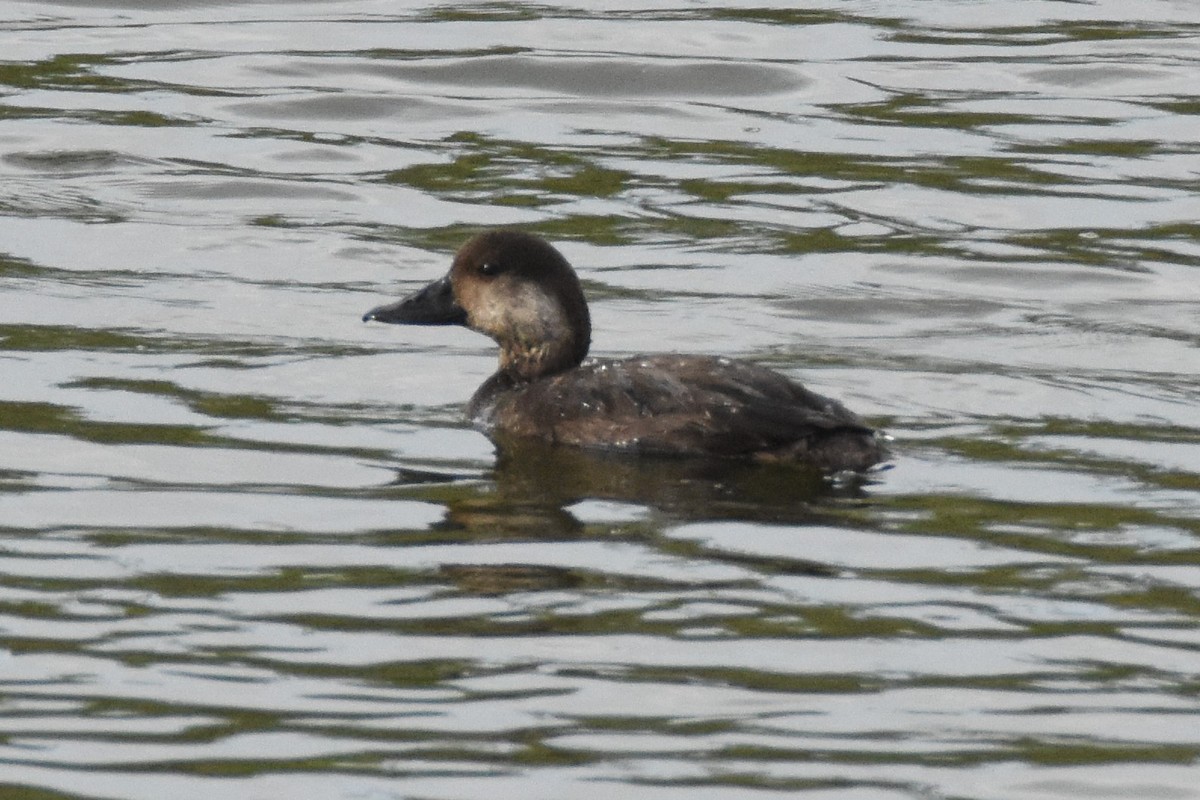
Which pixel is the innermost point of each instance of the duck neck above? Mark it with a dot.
(528, 361)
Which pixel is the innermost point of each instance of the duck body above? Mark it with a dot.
(679, 405)
(519, 290)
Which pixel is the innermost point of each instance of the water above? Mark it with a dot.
(249, 548)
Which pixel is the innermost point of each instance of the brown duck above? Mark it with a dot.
(520, 291)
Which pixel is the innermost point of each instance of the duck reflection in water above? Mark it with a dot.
(520, 291)
(535, 488)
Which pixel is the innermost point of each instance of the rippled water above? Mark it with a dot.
(249, 548)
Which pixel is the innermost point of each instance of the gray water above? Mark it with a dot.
(249, 548)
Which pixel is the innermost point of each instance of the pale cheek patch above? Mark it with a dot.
(535, 317)
(488, 318)
(520, 314)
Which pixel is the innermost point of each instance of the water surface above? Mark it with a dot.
(250, 548)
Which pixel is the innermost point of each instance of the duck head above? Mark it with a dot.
(515, 288)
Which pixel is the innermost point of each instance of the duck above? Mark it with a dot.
(518, 289)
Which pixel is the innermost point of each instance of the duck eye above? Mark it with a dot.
(489, 268)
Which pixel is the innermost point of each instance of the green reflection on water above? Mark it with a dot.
(511, 173)
(47, 418)
(67, 337)
(63, 71)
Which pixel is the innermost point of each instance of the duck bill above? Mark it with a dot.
(433, 305)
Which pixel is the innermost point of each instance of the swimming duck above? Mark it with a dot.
(519, 290)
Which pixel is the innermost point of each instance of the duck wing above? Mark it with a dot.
(688, 405)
